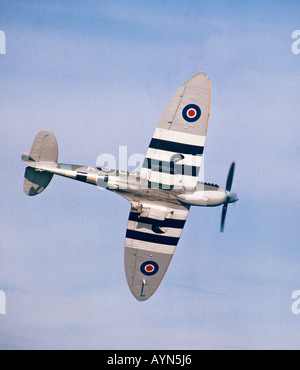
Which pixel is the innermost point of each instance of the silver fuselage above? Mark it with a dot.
(132, 186)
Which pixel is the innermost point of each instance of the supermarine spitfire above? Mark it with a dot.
(160, 195)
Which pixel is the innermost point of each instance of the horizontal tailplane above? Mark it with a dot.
(44, 149)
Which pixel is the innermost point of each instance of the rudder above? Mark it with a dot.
(44, 149)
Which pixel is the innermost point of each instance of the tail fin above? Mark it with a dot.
(44, 149)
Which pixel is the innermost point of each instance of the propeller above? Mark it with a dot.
(230, 176)
(230, 197)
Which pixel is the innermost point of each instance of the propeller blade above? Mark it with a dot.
(230, 176)
(230, 197)
(224, 210)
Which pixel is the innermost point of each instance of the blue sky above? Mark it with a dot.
(99, 75)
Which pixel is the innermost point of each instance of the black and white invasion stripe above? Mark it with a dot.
(161, 236)
(160, 167)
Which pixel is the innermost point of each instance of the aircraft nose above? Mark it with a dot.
(231, 197)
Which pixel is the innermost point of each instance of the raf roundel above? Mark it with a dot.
(191, 113)
(149, 268)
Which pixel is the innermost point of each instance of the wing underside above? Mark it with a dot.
(153, 233)
(175, 152)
